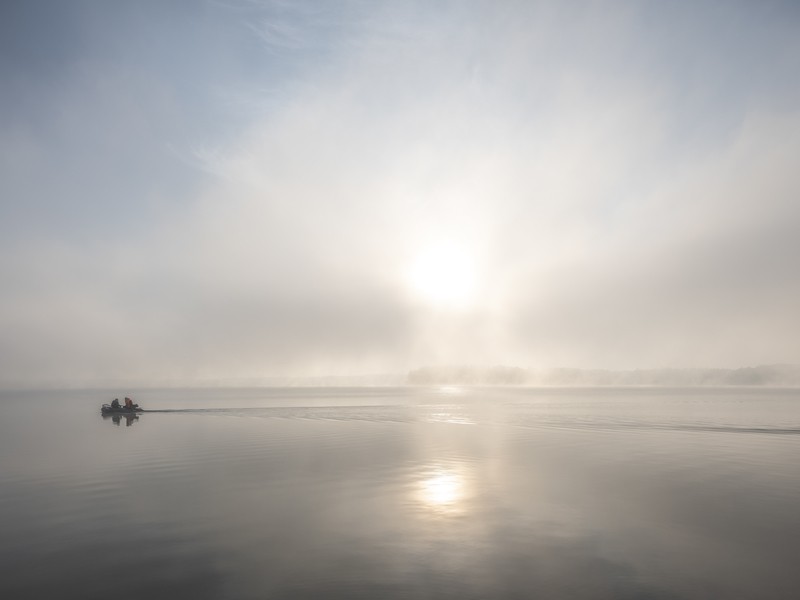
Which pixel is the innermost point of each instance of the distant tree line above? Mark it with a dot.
(769, 375)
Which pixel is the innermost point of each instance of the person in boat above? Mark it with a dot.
(115, 403)
(128, 403)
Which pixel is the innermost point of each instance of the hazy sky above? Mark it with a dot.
(238, 188)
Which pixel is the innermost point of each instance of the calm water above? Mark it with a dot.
(402, 493)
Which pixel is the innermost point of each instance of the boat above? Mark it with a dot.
(107, 409)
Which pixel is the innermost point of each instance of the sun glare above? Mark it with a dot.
(443, 492)
(444, 276)
(441, 489)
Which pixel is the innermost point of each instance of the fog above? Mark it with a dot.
(234, 190)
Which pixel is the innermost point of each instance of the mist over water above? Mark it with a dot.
(225, 193)
(402, 493)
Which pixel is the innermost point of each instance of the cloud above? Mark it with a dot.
(702, 264)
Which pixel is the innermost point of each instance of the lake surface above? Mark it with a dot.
(402, 493)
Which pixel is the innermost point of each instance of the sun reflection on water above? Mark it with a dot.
(449, 413)
(441, 489)
(450, 390)
(442, 492)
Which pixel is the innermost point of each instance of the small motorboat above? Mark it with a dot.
(107, 409)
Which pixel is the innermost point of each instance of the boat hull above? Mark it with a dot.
(120, 411)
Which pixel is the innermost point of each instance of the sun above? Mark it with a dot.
(443, 275)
